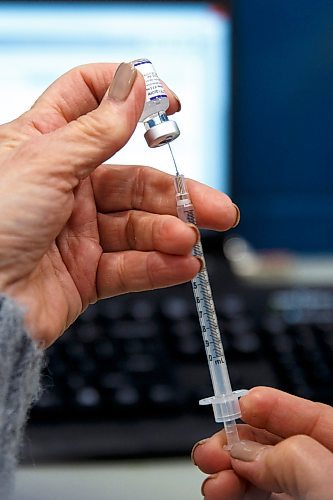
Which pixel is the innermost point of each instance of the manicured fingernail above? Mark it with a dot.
(248, 451)
(196, 230)
(202, 441)
(122, 82)
(178, 101)
(237, 218)
(202, 263)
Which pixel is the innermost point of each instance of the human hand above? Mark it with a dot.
(285, 451)
(73, 231)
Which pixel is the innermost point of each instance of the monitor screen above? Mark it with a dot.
(282, 124)
(188, 43)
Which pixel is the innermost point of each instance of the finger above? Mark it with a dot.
(73, 151)
(227, 485)
(135, 230)
(73, 94)
(173, 106)
(76, 93)
(298, 466)
(280, 496)
(125, 187)
(287, 415)
(211, 457)
(134, 271)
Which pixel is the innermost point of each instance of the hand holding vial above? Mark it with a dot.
(75, 230)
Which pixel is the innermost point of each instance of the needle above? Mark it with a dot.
(173, 158)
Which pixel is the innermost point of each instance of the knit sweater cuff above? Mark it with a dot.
(20, 366)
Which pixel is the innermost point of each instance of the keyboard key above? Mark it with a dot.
(104, 350)
(140, 363)
(177, 308)
(87, 332)
(112, 309)
(143, 309)
(246, 343)
(50, 399)
(162, 394)
(126, 396)
(126, 329)
(113, 380)
(87, 397)
(230, 306)
(75, 381)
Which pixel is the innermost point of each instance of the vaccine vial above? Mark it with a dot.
(159, 129)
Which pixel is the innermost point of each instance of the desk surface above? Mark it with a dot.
(125, 480)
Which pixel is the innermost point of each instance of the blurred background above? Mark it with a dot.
(255, 80)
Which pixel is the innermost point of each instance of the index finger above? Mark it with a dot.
(286, 415)
(126, 187)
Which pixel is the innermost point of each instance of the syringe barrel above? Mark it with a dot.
(225, 401)
(210, 328)
(204, 302)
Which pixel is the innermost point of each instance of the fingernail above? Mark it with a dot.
(205, 482)
(202, 263)
(248, 451)
(237, 218)
(196, 230)
(202, 441)
(122, 82)
(178, 101)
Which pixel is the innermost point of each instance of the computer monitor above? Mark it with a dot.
(282, 124)
(188, 43)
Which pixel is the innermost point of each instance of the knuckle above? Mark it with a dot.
(102, 130)
(120, 277)
(130, 230)
(160, 230)
(91, 126)
(154, 271)
(139, 188)
(294, 449)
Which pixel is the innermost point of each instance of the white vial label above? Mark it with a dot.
(154, 88)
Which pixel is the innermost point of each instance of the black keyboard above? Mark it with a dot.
(125, 380)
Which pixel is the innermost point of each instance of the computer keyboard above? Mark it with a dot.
(125, 380)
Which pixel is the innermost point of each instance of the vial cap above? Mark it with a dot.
(162, 133)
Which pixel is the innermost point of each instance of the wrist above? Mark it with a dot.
(14, 292)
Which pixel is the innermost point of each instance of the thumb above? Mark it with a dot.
(298, 466)
(75, 149)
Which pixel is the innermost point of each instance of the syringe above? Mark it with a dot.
(225, 401)
(159, 131)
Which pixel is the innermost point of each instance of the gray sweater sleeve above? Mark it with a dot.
(20, 365)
